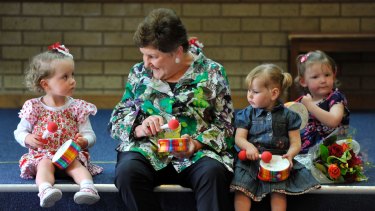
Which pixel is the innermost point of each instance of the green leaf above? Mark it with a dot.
(332, 158)
(321, 167)
(340, 179)
(343, 171)
(323, 152)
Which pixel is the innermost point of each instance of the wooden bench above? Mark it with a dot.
(325, 189)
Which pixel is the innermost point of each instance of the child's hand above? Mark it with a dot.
(252, 152)
(290, 159)
(82, 142)
(34, 141)
(306, 100)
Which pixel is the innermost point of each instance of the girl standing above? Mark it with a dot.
(52, 73)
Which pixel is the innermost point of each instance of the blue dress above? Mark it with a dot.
(315, 131)
(269, 131)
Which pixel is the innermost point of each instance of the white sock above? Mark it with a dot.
(44, 186)
(87, 184)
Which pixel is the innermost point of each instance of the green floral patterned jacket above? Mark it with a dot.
(201, 101)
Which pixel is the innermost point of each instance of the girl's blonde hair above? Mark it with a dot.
(274, 77)
(41, 67)
(305, 60)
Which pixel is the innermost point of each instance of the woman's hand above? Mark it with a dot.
(192, 145)
(82, 142)
(34, 141)
(150, 126)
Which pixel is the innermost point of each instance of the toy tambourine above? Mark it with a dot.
(301, 110)
(66, 154)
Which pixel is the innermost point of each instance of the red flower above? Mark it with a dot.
(336, 150)
(334, 171)
(355, 159)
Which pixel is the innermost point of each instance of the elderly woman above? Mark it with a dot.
(174, 81)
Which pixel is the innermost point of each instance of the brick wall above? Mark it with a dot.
(99, 35)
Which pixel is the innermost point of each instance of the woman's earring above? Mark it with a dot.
(177, 60)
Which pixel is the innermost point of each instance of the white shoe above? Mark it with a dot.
(49, 196)
(86, 196)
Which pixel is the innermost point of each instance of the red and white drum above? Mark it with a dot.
(66, 154)
(301, 110)
(274, 171)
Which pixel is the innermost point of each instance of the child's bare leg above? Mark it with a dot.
(278, 202)
(241, 201)
(45, 179)
(45, 172)
(78, 172)
(87, 193)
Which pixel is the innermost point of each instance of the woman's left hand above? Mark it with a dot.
(82, 142)
(193, 146)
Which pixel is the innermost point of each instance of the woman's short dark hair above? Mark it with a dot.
(163, 30)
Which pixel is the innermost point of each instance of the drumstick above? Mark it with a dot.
(172, 124)
(266, 156)
(51, 128)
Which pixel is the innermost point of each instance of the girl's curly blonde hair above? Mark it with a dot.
(41, 67)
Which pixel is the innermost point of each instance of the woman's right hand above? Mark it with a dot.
(34, 141)
(150, 126)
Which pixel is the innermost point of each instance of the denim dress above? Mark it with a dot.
(268, 131)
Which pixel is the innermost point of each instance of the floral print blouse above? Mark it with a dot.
(200, 101)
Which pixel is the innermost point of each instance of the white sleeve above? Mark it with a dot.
(87, 132)
(24, 128)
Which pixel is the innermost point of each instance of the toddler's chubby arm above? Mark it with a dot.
(24, 136)
(86, 137)
(241, 141)
(331, 118)
(294, 145)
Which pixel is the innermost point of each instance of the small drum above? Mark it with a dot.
(275, 171)
(172, 145)
(66, 154)
(301, 110)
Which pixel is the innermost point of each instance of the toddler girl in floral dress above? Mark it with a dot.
(52, 73)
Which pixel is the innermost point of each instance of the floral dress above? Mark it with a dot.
(268, 131)
(315, 131)
(68, 118)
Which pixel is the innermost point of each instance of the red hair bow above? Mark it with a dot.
(60, 48)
